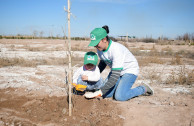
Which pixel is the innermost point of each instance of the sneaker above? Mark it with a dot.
(148, 90)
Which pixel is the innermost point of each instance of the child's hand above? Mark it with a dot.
(84, 77)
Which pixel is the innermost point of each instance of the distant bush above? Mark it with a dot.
(148, 40)
(34, 37)
(114, 39)
(77, 38)
(187, 38)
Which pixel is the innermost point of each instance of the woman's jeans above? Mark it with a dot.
(91, 85)
(122, 90)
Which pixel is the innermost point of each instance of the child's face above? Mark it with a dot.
(89, 66)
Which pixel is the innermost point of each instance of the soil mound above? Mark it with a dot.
(32, 111)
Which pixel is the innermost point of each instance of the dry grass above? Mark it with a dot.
(167, 49)
(16, 61)
(144, 61)
(182, 77)
(83, 49)
(146, 55)
(38, 49)
(154, 76)
(76, 60)
(176, 60)
(35, 62)
(31, 63)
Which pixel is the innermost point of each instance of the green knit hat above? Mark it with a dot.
(97, 35)
(90, 57)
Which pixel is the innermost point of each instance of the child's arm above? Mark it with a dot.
(77, 74)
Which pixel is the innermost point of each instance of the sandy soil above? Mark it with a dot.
(162, 109)
(29, 110)
(37, 95)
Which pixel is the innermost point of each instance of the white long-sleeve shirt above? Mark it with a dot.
(118, 57)
(93, 75)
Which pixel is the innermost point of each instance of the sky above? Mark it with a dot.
(140, 18)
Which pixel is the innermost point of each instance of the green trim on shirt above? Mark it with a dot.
(109, 61)
(117, 68)
(108, 46)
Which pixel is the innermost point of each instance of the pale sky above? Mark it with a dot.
(140, 18)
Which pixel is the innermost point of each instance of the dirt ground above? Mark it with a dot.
(37, 95)
(162, 109)
(53, 111)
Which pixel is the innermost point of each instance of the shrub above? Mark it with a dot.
(182, 76)
(176, 60)
(148, 40)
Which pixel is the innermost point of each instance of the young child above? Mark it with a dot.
(89, 74)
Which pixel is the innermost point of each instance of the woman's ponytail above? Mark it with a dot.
(107, 31)
(106, 28)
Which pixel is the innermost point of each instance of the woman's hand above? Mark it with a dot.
(84, 78)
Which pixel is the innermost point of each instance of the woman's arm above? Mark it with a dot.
(111, 81)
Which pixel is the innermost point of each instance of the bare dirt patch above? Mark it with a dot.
(162, 109)
(29, 110)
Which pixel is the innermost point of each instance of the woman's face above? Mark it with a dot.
(102, 45)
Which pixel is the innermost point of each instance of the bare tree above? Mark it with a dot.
(41, 34)
(64, 32)
(35, 33)
(186, 37)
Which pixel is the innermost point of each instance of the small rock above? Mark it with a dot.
(122, 117)
(1, 123)
(155, 102)
(171, 103)
(64, 111)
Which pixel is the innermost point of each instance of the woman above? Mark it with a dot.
(124, 68)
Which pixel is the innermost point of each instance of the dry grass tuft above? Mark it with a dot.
(16, 61)
(176, 60)
(182, 77)
(144, 61)
(167, 49)
(35, 62)
(32, 63)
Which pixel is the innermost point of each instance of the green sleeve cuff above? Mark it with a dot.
(117, 68)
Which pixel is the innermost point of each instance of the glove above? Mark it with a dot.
(93, 94)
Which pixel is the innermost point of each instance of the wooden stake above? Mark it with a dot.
(69, 41)
(69, 48)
